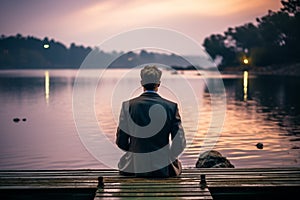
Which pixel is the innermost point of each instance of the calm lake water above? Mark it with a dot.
(264, 109)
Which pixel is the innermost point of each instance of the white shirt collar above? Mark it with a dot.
(150, 91)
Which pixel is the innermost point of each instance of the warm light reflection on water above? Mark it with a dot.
(245, 85)
(269, 114)
(47, 86)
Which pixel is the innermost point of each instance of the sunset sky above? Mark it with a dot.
(90, 22)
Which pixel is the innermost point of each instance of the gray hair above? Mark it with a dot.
(150, 75)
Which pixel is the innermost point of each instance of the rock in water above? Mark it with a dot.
(213, 159)
(260, 145)
(16, 120)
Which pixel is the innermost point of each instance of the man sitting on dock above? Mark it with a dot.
(146, 124)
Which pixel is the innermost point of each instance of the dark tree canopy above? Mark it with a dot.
(273, 39)
(18, 52)
(30, 52)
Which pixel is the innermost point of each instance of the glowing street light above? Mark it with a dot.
(246, 61)
(46, 46)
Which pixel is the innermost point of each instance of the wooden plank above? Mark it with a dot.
(154, 196)
(213, 174)
(186, 186)
(118, 185)
(175, 188)
(48, 194)
(150, 180)
(240, 172)
(254, 179)
(205, 195)
(147, 191)
(186, 170)
(186, 173)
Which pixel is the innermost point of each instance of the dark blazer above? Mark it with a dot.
(147, 133)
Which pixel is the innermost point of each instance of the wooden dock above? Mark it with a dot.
(221, 183)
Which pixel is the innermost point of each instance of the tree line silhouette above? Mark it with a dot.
(274, 39)
(30, 52)
(19, 52)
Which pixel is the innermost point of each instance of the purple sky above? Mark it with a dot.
(91, 22)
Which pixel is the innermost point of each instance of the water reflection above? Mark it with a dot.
(279, 99)
(270, 114)
(245, 85)
(47, 86)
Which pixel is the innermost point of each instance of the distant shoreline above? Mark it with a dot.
(278, 70)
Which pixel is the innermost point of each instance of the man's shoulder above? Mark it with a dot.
(153, 96)
(169, 101)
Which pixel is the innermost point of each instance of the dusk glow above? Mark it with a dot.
(91, 22)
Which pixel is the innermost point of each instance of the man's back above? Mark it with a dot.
(147, 124)
(139, 112)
